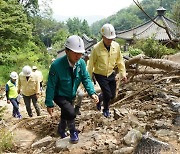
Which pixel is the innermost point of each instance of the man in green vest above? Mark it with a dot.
(12, 94)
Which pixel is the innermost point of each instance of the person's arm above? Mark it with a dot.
(19, 85)
(90, 64)
(87, 83)
(37, 86)
(7, 93)
(121, 66)
(50, 90)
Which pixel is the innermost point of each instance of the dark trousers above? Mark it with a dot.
(27, 101)
(41, 85)
(108, 88)
(15, 104)
(67, 108)
(67, 113)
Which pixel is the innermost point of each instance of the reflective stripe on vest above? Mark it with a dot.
(12, 90)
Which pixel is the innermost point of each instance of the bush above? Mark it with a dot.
(2, 109)
(135, 51)
(154, 49)
(6, 140)
(15, 59)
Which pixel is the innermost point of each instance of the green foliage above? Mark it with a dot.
(176, 15)
(85, 29)
(15, 30)
(135, 51)
(60, 36)
(30, 6)
(95, 27)
(132, 16)
(2, 109)
(4, 75)
(125, 21)
(19, 57)
(120, 41)
(6, 140)
(58, 41)
(76, 26)
(47, 30)
(154, 49)
(5, 137)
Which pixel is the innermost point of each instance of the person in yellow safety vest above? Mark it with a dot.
(39, 75)
(29, 86)
(12, 94)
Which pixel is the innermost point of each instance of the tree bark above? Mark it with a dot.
(163, 64)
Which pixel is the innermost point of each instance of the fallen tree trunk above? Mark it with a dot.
(145, 71)
(163, 64)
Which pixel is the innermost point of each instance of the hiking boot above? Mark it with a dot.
(19, 116)
(77, 111)
(15, 115)
(106, 113)
(74, 137)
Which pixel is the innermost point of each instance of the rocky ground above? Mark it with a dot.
(145, 119)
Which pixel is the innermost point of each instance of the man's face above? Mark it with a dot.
(13, 80)
(73, 56)
(107, 42)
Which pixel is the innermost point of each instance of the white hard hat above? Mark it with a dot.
(75, 43)
(34, 67)
(108, 31)
(13, 75)
(27, 70)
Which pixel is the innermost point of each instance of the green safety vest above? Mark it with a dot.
(12, 93)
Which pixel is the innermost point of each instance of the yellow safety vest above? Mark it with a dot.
(12, 93)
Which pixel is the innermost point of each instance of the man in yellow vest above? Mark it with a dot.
(12, 94)
(29, 86)
(105, 55)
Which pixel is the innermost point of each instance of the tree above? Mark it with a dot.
(58, 40)
(30, 6)
(85, 28)
(15, 30)
(126, 21)
(46, 29)
(121, 23)
(176, 14)
(74, 25)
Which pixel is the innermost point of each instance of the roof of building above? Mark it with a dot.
(88, 43)
(150, 29)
